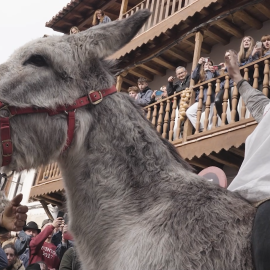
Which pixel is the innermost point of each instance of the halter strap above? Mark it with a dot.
(94, 97)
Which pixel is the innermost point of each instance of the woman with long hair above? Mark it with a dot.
(13, 261)
(74, 30)
(204, 71)
(265, 45)
(100, 17)
(247, 54)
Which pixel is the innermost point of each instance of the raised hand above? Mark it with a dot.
(233, 67)
(14, 216)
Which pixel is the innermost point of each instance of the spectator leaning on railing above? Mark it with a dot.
(204, 71)
(100, 17)
(133, 91)
(181, 84)
(144, 96)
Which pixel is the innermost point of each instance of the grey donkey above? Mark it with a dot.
(134, 202)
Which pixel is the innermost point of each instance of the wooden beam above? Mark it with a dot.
(47, 211)
(154, 69)
(139, 72)
(123, 8)
(216, 35)
(180, 55)
(132, 83)
(161, 61)
(264, 9)
(52, 198)
(230, 28)
(227, 158)
(203, 162)
(48, 200)
(204, 47)
(237, 151)
(248, 19)
(119, 83)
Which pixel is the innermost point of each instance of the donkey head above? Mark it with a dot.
(53, 71)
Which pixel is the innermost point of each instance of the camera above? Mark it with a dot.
(206, 59)
(218, 67)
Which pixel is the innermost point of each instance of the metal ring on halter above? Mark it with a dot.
(66, 112)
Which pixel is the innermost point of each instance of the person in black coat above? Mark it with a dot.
(181, 84)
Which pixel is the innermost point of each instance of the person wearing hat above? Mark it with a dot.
(29, 231)
(41, 247)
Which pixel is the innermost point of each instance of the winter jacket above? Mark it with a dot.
(3, 259)
(178, 86)
(144, 97)
(18, 265)
(44, 251)
(70, 260)
(209, 75)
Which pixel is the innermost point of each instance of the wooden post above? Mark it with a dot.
(119, 83)
(123, 8)
(196, 56)
(47, 211)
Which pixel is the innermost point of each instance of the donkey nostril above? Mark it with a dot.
(7, 145)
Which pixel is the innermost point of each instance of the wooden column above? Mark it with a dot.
(123, 8)
(119, 83)
(196, 56)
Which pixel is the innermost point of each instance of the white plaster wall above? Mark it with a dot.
(217, 53)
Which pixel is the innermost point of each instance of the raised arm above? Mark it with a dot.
(254, 99)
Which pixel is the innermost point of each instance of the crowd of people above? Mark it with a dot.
(204, 71)
(48, 248)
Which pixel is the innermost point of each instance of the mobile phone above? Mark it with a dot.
(159, 93)
(218, 67)
(206, 59)
(258, 44)
(60, 214)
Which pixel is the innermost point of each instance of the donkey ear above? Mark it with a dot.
(106, 39)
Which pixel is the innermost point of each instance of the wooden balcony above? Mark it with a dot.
(48, 185)
(161, 10)
(221, 142)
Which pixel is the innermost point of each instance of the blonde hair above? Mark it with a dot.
(263, 39)
(73, 27)
(202, 71)
(133, 88)
(245, 54)
(96, 21)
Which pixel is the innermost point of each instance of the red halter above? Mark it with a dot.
(94, 97)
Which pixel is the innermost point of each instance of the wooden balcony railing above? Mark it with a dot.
(168, 115)
(161, 10)
(48, 173)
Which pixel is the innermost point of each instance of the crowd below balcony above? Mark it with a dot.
(203, 72)
(48, 248)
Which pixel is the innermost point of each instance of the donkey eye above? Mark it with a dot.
(36, 60)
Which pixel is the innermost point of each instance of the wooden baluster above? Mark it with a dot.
(51, 171)
(256, 76)
(243, 109)
(58, 170)
(234, 103)
(207, 106)
(167, 9)
(161, 11)
(149, 113)
(266, 77)
(178, 129)
(45, 173)
(173, 7)
(149, 22)
(215, 117)
(154, 118)
(166, 119)
(160, 117)
(172, 119)
(225, 101)
(199, 110)
(156, 12)
(146, 7)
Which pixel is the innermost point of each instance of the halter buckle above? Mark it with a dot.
(5, 108)
(97, 101)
